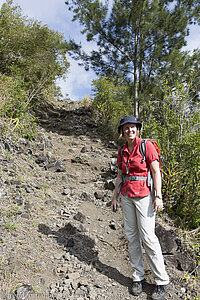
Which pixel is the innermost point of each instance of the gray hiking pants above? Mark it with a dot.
(139, 225)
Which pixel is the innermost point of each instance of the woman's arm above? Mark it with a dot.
(115, 195)
(155, 171)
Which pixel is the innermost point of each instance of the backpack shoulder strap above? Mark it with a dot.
(143, 148)
(122, 150)
(122, 153)
(143, 152)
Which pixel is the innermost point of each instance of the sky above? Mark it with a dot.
(55, 14)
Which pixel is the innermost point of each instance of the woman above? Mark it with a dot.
(139, 206)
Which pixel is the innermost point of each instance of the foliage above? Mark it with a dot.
(189, 209)
(111, 101)
(33, 50)
(175, 123)
(140, 40)
(191, 282)
(15, 107)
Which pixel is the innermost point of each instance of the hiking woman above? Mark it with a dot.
(139, 205)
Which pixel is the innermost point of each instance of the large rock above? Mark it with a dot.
(167, 240)
(183, 261)
(80, 217)
(110, 184)
(23, 291)
(57, 166)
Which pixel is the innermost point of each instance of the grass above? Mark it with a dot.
(30, 266)
(11, 226)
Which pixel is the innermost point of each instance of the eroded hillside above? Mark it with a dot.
(59, 238)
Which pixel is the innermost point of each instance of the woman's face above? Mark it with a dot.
(130, 132)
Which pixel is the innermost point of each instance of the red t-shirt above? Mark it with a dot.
(136, 167)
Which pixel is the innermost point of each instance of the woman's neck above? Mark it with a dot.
(131, 145)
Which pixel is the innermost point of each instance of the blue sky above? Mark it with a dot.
(54, 13)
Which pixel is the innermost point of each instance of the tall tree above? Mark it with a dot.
(136, 38)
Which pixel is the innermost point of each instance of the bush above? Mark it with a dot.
(15, 107)
(112, 102)
(174, 122)
(34, 51)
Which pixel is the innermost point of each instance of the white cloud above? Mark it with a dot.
(78, 83)
(193, 40)
(45, 10)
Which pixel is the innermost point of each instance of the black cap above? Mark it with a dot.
(129, 119)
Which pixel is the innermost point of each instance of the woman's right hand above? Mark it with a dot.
(115, 195)
(114, 204)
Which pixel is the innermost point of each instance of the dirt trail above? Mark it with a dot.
(59, 238)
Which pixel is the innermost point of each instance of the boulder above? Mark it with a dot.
(167, 240)
(57, 166)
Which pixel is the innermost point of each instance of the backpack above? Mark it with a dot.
(143, 153)
(143, 150)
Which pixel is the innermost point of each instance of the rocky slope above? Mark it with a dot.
(59, 238)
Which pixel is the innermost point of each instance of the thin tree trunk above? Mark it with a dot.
(135, 95)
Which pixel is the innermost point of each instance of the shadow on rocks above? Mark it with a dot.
(83, 247)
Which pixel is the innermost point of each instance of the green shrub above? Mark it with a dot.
(111, 101)
(174, 122)
(15, 106)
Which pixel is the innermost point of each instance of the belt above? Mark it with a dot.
(134, 178)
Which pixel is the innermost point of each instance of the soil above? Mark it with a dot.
(59, 237)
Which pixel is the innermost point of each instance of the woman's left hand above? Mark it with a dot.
(158, 204)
